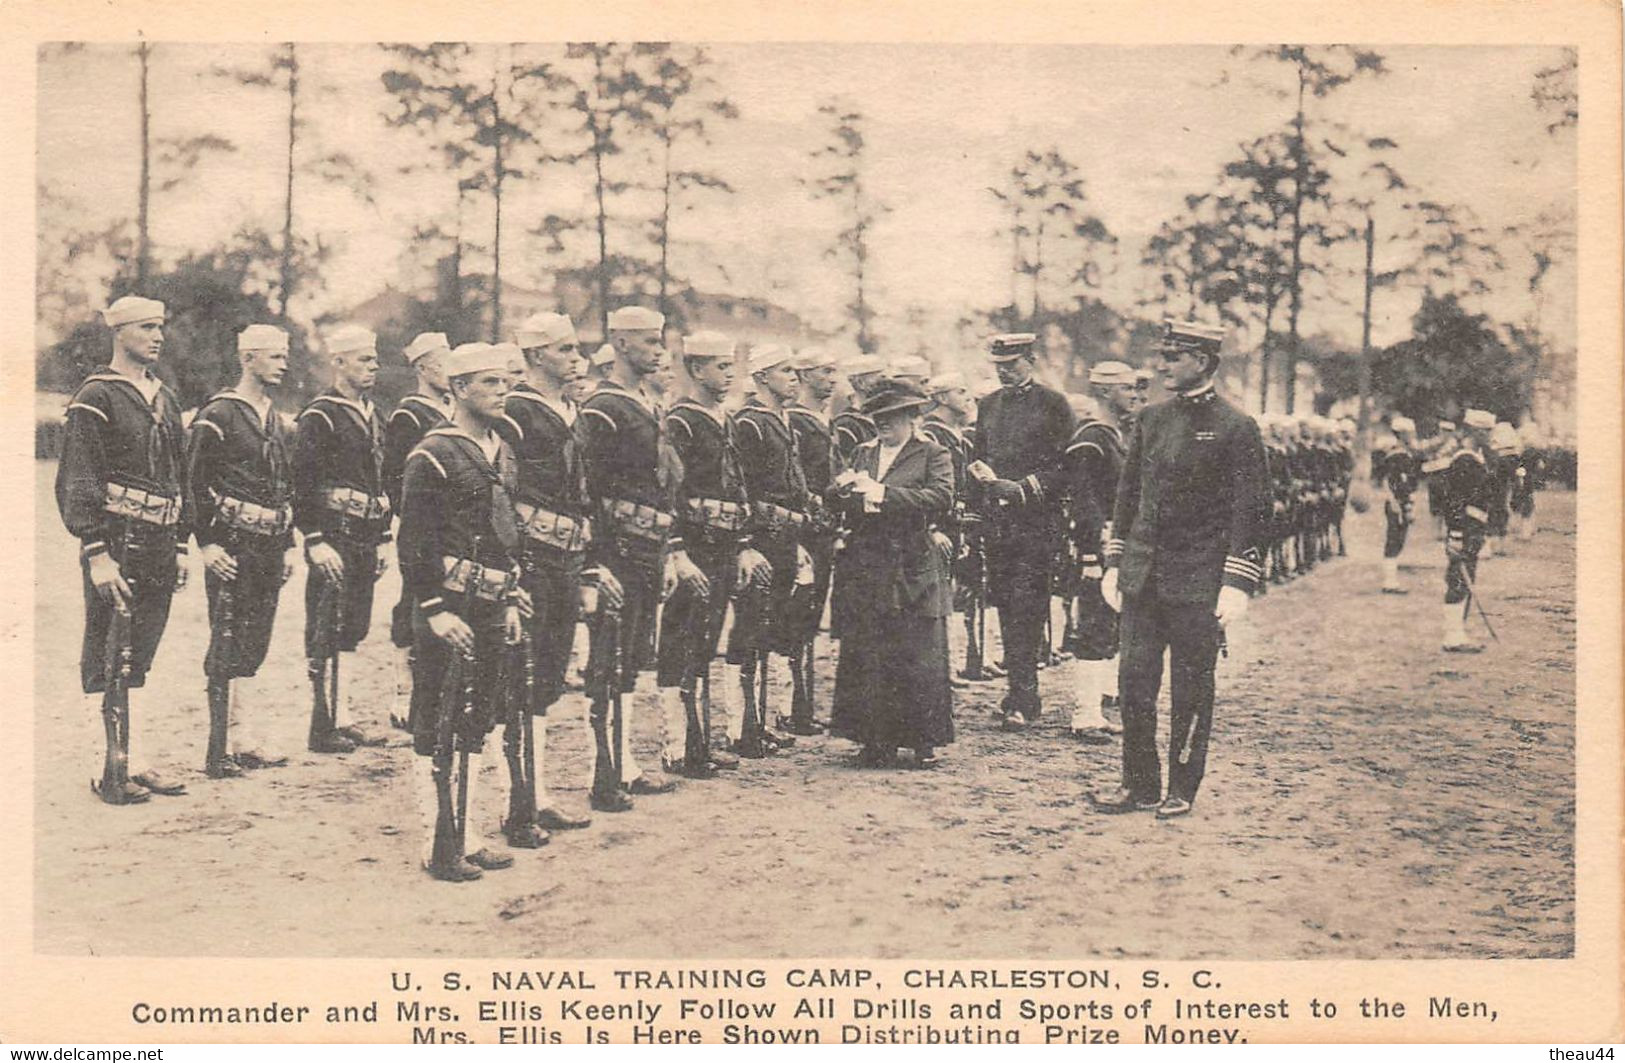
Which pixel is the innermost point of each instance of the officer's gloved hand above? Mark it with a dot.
(753, 569)
(109, 582)
(181, 571)
(1004, 491)
(450, 628)
(1232, 605)
(382, 566)
(219, 563)
(287, 565)
(1109, 591)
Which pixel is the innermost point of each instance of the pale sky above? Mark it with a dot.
(1146, 125)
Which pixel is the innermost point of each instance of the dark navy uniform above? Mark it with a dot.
(632, 476)
(553, 514)
(815, 443)
(1095, 462)
(240, 482)
(776, 484)
(1399, 470)
(1467, 489)
(849, 431)
(339, 499)
(1022, 433)
(119, 491)
(1187, 521)
(415, 417)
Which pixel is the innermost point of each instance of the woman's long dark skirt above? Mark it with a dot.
(891, 682)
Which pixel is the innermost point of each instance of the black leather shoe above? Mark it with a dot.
(613, 802)
(486, 860)
(128, 794)
(255, 759)
(643, 786)
(360, 737)
(1092, 736)
(553, 819)
(1120, 800)
(702, 770)
(525, 836)
(332, 742)
(804, 727)
(722, 760)
(460, 872)
(1013, 721)
(780, 739)
(224, 768)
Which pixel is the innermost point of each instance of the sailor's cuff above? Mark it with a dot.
(1114, 552)
(1474, 513)
(1242, 572)
(312, 538)
(430, 606)
(1031, 489)
(91, 549)
(181, 550)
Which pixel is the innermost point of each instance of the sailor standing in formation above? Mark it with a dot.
(119, 491)
(459, 555)
(240, 486)
(342, 512)
(414, 417)
(815, 443)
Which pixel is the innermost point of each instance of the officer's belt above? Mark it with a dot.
(252, 517)
(353, 502)
(719, 514)
(776, 520)
(145, 506)
(558, 530)
(639, 521)
(489, 584)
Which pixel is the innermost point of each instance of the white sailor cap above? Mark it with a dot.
(767, 356)
(1478, 419)
(513, 357)
(604, 355)
(1446, 426)
(945, 382)
(816, 358)
(1401, 423)
(909, 366)
(426, 343)
(127, 309)
(636, 319)
(545, 328)
(466, 358)
(348, 338)
(707, 344)
(1111, 372)
(862, 365)
(262, 338)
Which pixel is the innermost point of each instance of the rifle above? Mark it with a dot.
(456, 701)
(324, 670)
(1472, 600)
(118, 664)
(219, 679)
(519, 737)
(697, 641)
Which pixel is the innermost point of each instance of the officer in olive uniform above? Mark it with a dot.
(459, 554)
(777, 487)
(815, 443)
(632, 478)
(1019, 463)
(1399, 470)
(713, 518)
(1467, 490)
(343, 514)
(1183, 559)
(119, 489)
(551, 503)
(415, 416)
(240, 483)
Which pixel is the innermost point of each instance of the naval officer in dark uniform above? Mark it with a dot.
(1022, 432)
(1184, 558)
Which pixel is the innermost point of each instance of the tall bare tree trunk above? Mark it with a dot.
(1298, 166)
(1362, 426)
(286, 285)
(860, 252)
(598, 195)
(665, 222)
(496, 195)
(143, 239)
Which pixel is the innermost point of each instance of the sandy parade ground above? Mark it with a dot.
(1367, 796)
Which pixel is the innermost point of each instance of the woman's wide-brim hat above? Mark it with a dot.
(895, 395)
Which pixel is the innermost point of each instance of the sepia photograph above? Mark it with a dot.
(711, 500)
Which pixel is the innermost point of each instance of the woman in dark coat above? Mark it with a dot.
(892, 589)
